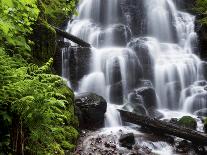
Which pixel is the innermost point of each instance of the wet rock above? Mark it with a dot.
(145, 83)
(139, 110)
(92, 109)
(203, 67)
(76, 63)
(135, 98)
(173, 120)
(120, 36)
(127, 140)
(201, 83)
(135, 16)
(201, 30)
(115, 72)
(173, 94)
(201, 113)
(199, 101)
(116, 93)
(205, 125)
(149, 96)
(143, 55)
(188, 122)
(185, 5)
(182, 146)
(152, 112)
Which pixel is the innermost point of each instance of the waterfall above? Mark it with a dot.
(123, 61)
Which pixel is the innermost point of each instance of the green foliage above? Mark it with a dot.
(57, 11)
(16, 18)
(43, 105)
(201, 8)
(188, 122)
(36, 107)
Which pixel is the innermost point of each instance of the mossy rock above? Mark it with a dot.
(44, 37)
(188, 122)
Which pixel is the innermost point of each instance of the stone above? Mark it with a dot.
(120, 33)
(152, 112)
(182, 146)
(173, 94)
(188, 122)
(199, 102)
(140, 110)
(116, 93)
(135, 98)
(185, 5)
(127, 140)
(149, 96)
(93, 108)
(205, 125)
(145, 58)
(201, 112)
(174, 120)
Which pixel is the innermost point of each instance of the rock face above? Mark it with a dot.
(149, 96)
(135, 18)
(121, 35)
(76, 64)
(92, 109)
(144, 57)
(127, 140)
(185, 5)
(201, 30)
(201, 113)
(116, 93)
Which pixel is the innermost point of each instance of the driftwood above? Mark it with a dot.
(72, 37)
(165, 127)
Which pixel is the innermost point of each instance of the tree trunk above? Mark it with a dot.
(165, 127)
(72, 37)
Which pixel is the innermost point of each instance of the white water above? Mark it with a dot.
(115, 67)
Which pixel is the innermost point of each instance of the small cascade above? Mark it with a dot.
(129, 68)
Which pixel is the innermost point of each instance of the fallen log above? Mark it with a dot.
(165, 127)
(72, 37)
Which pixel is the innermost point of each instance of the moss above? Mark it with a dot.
(67, 146)
(58, 11)
(188, 122)
(44, 37)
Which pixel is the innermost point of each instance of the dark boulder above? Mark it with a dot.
(140, 110)
(149, 96)
(127, 140)
(93, 108)
(182, 146)
(201, 112)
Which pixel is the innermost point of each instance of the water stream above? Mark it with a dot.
(164, 56)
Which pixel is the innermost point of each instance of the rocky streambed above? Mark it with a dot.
(130, 139)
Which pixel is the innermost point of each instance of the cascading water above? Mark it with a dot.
(123, 61)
